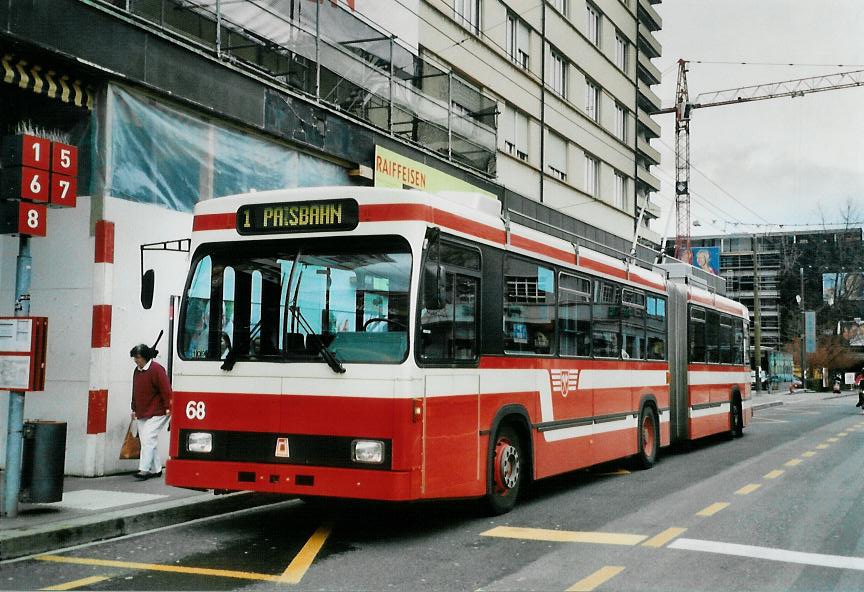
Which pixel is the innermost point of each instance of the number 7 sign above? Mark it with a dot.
(64, 190)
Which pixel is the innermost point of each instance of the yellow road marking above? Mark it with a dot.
(774, 474)
(301, 563)
(793, 462)
(77, 583)
(810, 453)
(843, 434)
(832, 440)
(750, 488)
(564, 536)
(664, 537)
(822, 446)
(713, 509)
(601, 576)
(200, 571)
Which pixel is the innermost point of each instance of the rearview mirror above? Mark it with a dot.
(433, 289)
(147, 282)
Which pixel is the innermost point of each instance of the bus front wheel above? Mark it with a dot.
(736, 419)
(505, 473)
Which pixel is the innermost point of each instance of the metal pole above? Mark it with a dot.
(803, 331)
(318, 50)
(757, 315)
(390, 98)
(218, 29)
(15, 427)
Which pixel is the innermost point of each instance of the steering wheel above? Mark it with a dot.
(393, 322)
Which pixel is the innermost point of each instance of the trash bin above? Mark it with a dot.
(43, 462)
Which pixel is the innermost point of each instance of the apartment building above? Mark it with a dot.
(544, 104)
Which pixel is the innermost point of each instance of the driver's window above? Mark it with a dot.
(450, 334)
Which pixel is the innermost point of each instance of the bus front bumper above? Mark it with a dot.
(292, 479)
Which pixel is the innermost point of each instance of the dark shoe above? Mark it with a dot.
(154, 475)
(141, 476)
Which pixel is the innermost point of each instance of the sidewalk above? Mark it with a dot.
(101, 508)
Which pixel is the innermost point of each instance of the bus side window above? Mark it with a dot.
(607, 323)
(697, 335)
(529, 307)
(727, 355)
(656, 328)
(712, 337)
(739, 346)
(196, 323)
(574, 315)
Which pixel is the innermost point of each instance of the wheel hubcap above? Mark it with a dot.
(648, 436)
(506, 466)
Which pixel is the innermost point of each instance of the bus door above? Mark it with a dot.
(451, 434)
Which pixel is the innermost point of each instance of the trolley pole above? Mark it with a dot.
(15, 427)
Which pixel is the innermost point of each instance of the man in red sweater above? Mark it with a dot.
(151, 407)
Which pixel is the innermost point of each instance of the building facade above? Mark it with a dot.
(170, 102)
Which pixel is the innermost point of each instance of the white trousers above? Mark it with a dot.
(148, 432)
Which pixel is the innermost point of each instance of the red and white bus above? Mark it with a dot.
(396, 345)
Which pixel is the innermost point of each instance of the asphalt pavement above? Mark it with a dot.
(101, 508)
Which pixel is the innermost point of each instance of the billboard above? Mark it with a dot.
(707, 259)
(852, 332)
(842, 286)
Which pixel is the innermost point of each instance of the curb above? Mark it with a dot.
(48, 537)
(766, 405)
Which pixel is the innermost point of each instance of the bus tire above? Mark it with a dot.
(736, 419)
(648, 433)
(505, 471)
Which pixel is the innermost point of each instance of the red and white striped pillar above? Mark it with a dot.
(100, 343)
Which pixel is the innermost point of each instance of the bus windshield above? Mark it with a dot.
(283, 300)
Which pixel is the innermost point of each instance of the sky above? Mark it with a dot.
(770, 165)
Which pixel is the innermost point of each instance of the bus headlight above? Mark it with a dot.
(201, 442)
(367, 451)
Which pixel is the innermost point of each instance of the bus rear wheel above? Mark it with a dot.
(649, 438)
(736, 420)
(505, 472)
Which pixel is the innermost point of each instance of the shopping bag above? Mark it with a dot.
(131, 444)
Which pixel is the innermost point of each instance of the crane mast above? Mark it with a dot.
(745, 94)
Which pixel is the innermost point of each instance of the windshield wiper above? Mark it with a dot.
(328, 355)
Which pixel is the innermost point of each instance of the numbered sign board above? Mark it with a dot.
(25, 183)
(26, 150)
(23, 343)
(23, 217)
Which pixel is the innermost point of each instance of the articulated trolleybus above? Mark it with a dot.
(396, 345)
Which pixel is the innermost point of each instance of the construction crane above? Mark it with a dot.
(746, 94)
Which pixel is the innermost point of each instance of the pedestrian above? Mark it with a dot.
(860, 402)
(151, 408)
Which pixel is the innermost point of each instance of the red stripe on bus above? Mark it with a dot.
(530, 363)
(538, 247)
(402, 212)
(214, 222)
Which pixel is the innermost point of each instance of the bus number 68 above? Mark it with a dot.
(196, 410)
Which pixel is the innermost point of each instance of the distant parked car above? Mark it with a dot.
(796, 382)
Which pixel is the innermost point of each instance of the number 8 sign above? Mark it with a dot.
(22, 217)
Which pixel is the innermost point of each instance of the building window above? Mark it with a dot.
(514, 129)
(556, 156)
(518, 41)
(561, 6)
(592, 100)
(593, 24)
(468, 14)
(621, 51)
(556, 73)
(620, 195)
(621, 122)
(592, 174)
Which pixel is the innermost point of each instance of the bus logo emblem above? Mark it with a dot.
(282, 447)
(564, 381)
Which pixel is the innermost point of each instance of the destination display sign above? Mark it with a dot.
(298, 216)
